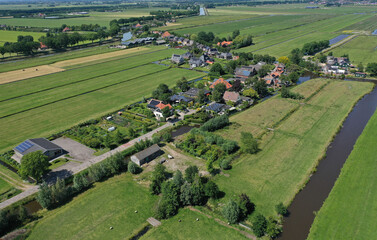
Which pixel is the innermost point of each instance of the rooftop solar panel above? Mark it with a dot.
(24, 146)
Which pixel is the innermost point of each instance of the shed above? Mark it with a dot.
(146, 155)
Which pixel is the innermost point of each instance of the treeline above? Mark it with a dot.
(169, 14)
(215, 123)
(25, 45)
(239, 41)
(315, 47)
(63, 40)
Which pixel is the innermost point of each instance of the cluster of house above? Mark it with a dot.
(139, 41)
(336, 65)
(272, 79)
(207, 58)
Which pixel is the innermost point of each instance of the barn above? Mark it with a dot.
(51, 150)
(146, 155)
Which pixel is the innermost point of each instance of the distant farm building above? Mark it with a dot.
(51, 150)
(146, 155)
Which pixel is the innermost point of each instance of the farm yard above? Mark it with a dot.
(55, 101)
(289, 152)
(348, 211)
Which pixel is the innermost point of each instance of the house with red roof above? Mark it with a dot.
(66, 29)
(42, 46)
(166, 34)
(232, 97)
(138, 25)
(220, 81)
(224, 43)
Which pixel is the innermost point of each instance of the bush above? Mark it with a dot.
(211, 190)
(225, 164)
(245, 205)
(286, 93)
(248, 143)
(133, 167)
(259, 225)
(281, 209)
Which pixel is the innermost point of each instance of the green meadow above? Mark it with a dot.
(361, 49)
(350, 211)
(91, 214)
(189, 228)
(293, 138)
(11, 36)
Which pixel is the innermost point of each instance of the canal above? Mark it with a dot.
(310, 199)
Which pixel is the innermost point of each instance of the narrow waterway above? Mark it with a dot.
(310, 199)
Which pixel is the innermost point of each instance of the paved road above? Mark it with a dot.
(73, 169)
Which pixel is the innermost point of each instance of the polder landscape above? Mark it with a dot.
(188, 120)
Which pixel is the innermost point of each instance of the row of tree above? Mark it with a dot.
(25, 45)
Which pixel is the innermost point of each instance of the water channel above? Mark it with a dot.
(310, 199)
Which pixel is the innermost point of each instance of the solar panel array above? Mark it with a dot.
(24, 146)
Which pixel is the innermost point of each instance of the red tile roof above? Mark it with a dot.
(224, 43)
(162, 106)
(221, 80)
(166, 34)
(231, 96)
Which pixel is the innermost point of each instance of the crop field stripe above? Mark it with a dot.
(93, 90)
(66, 84)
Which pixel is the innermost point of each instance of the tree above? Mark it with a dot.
(293, 77)
(322, 58)
(237, 86)
(273, 229)
(132, 167)
(248, 143)
(34, 164)
(217, 68)
(245, 205)
(119, 137)
(225, 164)
(178, 179)
(265, 69)
(231, 212)
(281, 209)
(44, 196)
(235, 33)
(167, 137)
(211, 190)
(283, 59)
(190, 173)
(166, 112)
(259, 225)
(261, 87)
(162, 93)
(372, 69)
(250, 93)
(186, 194)
(183, 84)
(201, 96)
(59, 191)
(296, 56)
(158, 177)
(360, 67)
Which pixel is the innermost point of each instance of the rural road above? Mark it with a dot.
(64, 173)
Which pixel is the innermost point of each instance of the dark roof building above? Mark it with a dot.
(146, 155)
(216, 107)
(50, 149)
(177, 59)
(194, 92)
(153, 103)
(180, 98)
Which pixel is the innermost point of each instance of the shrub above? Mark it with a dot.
(225, 164)
(245, 205)
(286, 93)
(259, 225)
(215, 123)
(231, 212)
(211, 190)
(281, 209)
(133, 167)
(248, 143)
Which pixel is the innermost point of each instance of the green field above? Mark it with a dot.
(350, 211)
(368, 25)
(289, 153)
(90, 215)
(361, 49)
(101, 18)
(11, 36)
(44, 105)
(189, 228)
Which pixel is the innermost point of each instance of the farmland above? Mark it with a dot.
(168, 229)
(362, 49)
(291, 151)
(101, 18)
(54, 102)
(11, 36)
(350, 209)
(90, 215)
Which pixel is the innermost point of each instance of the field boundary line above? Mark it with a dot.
(76, 95)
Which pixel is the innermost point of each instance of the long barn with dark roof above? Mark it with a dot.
(51, 150)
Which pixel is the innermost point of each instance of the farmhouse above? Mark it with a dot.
(166, 34)
(195, 62)
(194, 92)
(51, 150)
(224, 43)
(146, 155)
(360, 74)
(180, 98)
(226, 56)
(177, 59)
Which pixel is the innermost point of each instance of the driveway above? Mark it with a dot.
(75, 149)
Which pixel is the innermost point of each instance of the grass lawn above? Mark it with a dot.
(362, 49)
(11, 36)
(189, 228)
(291, 151)
(4, 186)
(92, 213)
(350, 211)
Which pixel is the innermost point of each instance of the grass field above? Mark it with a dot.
(350, 211)
(368, 25)
(49, 59)
(101, 18)
(360, 49)
(92, 213)
(189, 228)
(289, 153)
(11, 36)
